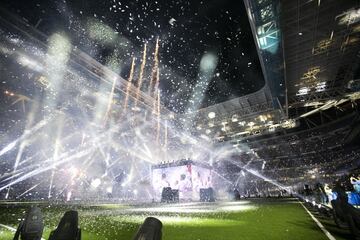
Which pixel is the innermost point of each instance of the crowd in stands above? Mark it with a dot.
(341, 199)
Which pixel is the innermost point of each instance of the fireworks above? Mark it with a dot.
(110, 101)
(73, 123)
(158, 127)
(155, 71)
(140, 81)
(131, 75)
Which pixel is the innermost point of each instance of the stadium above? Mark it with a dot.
(179, 120)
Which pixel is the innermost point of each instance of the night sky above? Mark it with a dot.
(187, 30)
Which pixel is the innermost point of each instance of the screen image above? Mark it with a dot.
(201, 178)
(188, 179)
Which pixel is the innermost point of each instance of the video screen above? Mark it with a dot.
(201, 178)
(188, 179)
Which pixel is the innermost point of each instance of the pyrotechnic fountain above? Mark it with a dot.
(140, 81)
(158, 114)
(131, 76)
(155, 71)
(110, 101)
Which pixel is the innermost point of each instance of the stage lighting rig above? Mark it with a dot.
(68, 227)
(31, 228)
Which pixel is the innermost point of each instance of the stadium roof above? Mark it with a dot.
(321, 49)
(190, 33)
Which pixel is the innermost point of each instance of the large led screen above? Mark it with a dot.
(188, 179)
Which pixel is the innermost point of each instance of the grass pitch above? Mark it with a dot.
(245, 220)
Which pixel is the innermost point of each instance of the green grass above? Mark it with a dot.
(245, 220)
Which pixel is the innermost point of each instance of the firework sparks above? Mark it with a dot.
(152, 90)
(79, 85)
(110, 101)
(158, 117)
(131, 75)
(140, 81)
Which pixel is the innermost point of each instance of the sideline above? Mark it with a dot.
(327, 233)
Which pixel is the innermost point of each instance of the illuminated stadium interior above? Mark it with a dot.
(177, 119)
